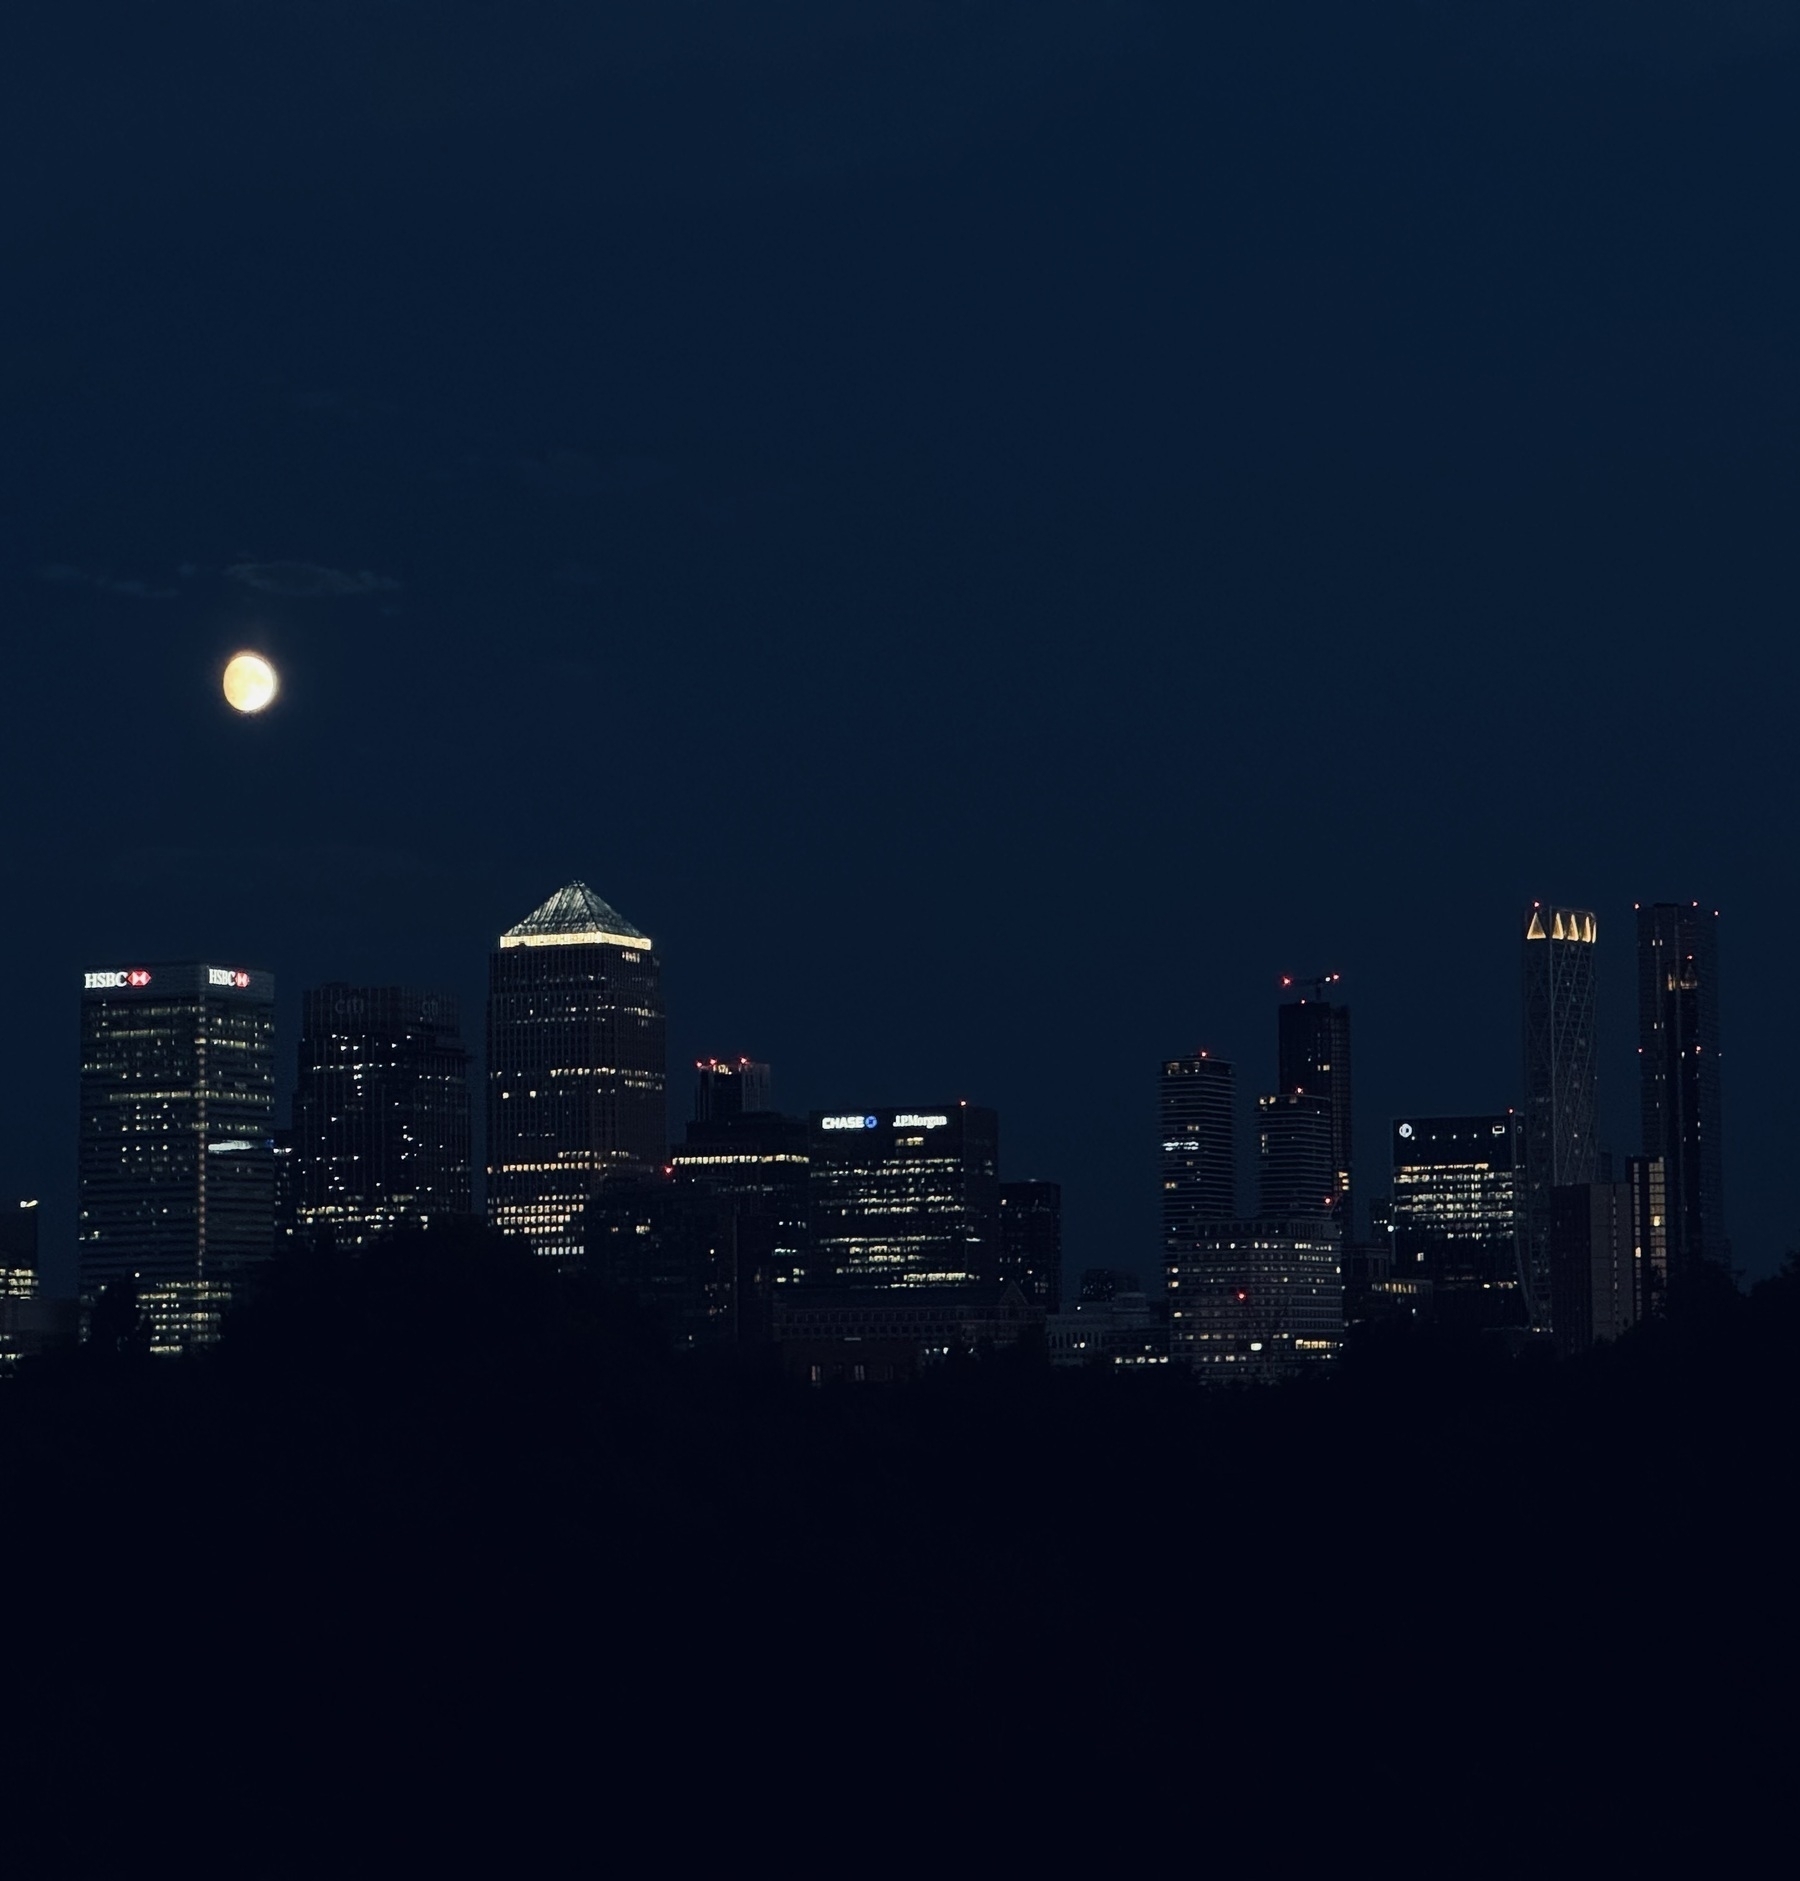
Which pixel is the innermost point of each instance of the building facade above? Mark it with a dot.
(1561, 1111)
(1031, 1241)
(1678, 1071)
(669, 1244)
(758, 1162)
(730, 1087)
(1196, 1116)
(1313, 1059)
(1593, 1264)
(906, 1198)
(175, 1158)
(19, 1250)
(381, 1113)
(1255, 1302)
(576, 1071)
(1458, 1217)
(1295, 1161)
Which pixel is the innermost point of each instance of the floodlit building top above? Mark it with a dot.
(575, 917)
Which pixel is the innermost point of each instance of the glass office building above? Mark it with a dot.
(1458, 1216)
(576, 1066)
(906, 1198)
(175, 1160)
(381, 1112)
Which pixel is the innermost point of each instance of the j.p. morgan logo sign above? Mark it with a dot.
(903, 1120)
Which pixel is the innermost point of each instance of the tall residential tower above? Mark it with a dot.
(1678, 1060)
(1313, 1059)
(1561, 1104)
(1199, 1150)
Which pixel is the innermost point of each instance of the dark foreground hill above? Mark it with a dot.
(441, 1564)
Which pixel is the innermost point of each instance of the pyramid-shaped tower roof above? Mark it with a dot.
(573, 917)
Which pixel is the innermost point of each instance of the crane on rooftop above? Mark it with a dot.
(1314, 988)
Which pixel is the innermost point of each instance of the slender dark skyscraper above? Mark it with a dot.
(1678, 1059)
(1031, 1240)
(1313, 1057)
(176, 1155)
(1295, 1165)
(1199, 1149)
(576, 1071)
(381, 1111)
(1561, 1103)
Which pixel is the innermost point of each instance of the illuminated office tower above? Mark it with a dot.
(1313, 1057)
(1458, 1217)
(1253, 1302)
(1199, 1150)
(1296, 1169)
(576, 1071)
(381, 1113)
(175, 1164)
(1678, 1061)
(1560, 1114)
(906, 1198)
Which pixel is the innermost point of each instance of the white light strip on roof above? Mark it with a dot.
(639, 943)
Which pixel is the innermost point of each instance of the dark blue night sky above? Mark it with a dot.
(990, 531)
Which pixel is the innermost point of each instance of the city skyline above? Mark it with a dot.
(1250, 1168)
(963, 638)
(928, 583)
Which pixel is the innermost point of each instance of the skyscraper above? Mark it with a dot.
(1458, 1217)
(176, 1171)
(1313, 1057)
(1031, 1240)
(757, 1161)
(381, 1112)
(729, 1087)
(576, 1071)
(1296, 1169)
(1561, 1105)
(1199, 1150)
(907, 1198)
(1678, 1059)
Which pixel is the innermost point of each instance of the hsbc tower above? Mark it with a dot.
(176, 1164)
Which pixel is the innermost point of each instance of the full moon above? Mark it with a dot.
(250, 682)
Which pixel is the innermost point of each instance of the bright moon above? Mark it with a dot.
(250, 682)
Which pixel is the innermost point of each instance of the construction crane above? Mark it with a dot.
(1313, 988)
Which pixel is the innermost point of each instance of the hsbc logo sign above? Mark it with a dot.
(108, 982)
(226, 976)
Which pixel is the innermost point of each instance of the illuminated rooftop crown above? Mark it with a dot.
(573, 917)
